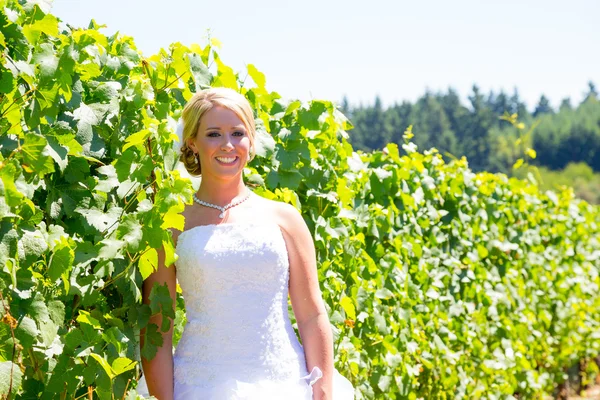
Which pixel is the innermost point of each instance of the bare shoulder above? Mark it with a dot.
(290, 220)
(284, 214)
(288, 216)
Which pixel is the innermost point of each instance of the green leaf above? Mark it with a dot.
(225, 75)
(200, 72)
(49, 331)
(152, 340)
(384, 293)
(10, 378)
(56, 309)
(148, 262)
(73, 339)
(85, 318)
(170, 255)
(111, 181)
(290, 179)
(173, 220)
(61, 260)
(26, 332)
(33, 245)
(12, 195)
(122, 364)
(99, 219)
(47, 25)
(45, 58)
(57, 152)
(114, 336)
(384, 383)
(44, 5)
(264, 143)
(348, 306)
(136, 139)
(257, 76)
(482, 251)
(293, 106)
(161, 302)
(109, 249)
(34, 156)
(142, 315)
(130, 231)
(7, 81)
(104, 364)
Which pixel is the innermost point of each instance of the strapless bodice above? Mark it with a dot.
(238, 342)
(234, 280)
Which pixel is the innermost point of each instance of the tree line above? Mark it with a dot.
(570, 133)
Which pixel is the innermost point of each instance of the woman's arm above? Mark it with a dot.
(307, 300)
(159, 371)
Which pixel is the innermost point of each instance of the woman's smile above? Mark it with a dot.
(227, 160)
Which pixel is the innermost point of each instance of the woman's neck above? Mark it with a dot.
(221, 192)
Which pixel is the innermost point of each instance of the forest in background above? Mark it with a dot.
(565, 141)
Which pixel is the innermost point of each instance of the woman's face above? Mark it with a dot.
(222, 142)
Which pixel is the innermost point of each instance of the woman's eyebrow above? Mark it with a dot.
(234, 127)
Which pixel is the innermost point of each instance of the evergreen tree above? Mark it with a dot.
(543, 107)
(565, 105)
(500, 104)
(431, 125)
(369, 122)
(399, 117)
(477, 148)
(458, 117)
(345, 107)
(592, 93)
(517, 106)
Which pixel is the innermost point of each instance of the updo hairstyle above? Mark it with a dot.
(198, 105)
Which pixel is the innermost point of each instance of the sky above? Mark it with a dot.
(397, 50)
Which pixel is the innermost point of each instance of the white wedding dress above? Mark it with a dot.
(238, 342)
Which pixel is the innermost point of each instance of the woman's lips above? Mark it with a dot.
(227, 160)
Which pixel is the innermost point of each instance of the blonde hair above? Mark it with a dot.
(204, 101)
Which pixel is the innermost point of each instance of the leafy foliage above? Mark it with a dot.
(440, 283)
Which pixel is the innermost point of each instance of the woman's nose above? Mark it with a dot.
(226, 144)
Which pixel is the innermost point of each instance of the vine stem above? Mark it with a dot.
(122, 273)
(12, 332)
(174, 80)
(125, 391)
(11, 155)
(152, 174)
(127, 205)
(83, 395)
(15, 100)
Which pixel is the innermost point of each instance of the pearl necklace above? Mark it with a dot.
(224, 208)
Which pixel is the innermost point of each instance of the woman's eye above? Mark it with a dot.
(239, 133)
(213, 134)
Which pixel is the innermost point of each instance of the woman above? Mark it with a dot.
(239, 256)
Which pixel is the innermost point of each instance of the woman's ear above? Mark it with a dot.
(190, 144)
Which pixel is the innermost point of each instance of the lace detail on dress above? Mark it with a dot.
(234, 278)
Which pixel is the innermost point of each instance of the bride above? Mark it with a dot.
(240, 255)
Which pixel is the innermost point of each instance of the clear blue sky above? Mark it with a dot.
(395, 49)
